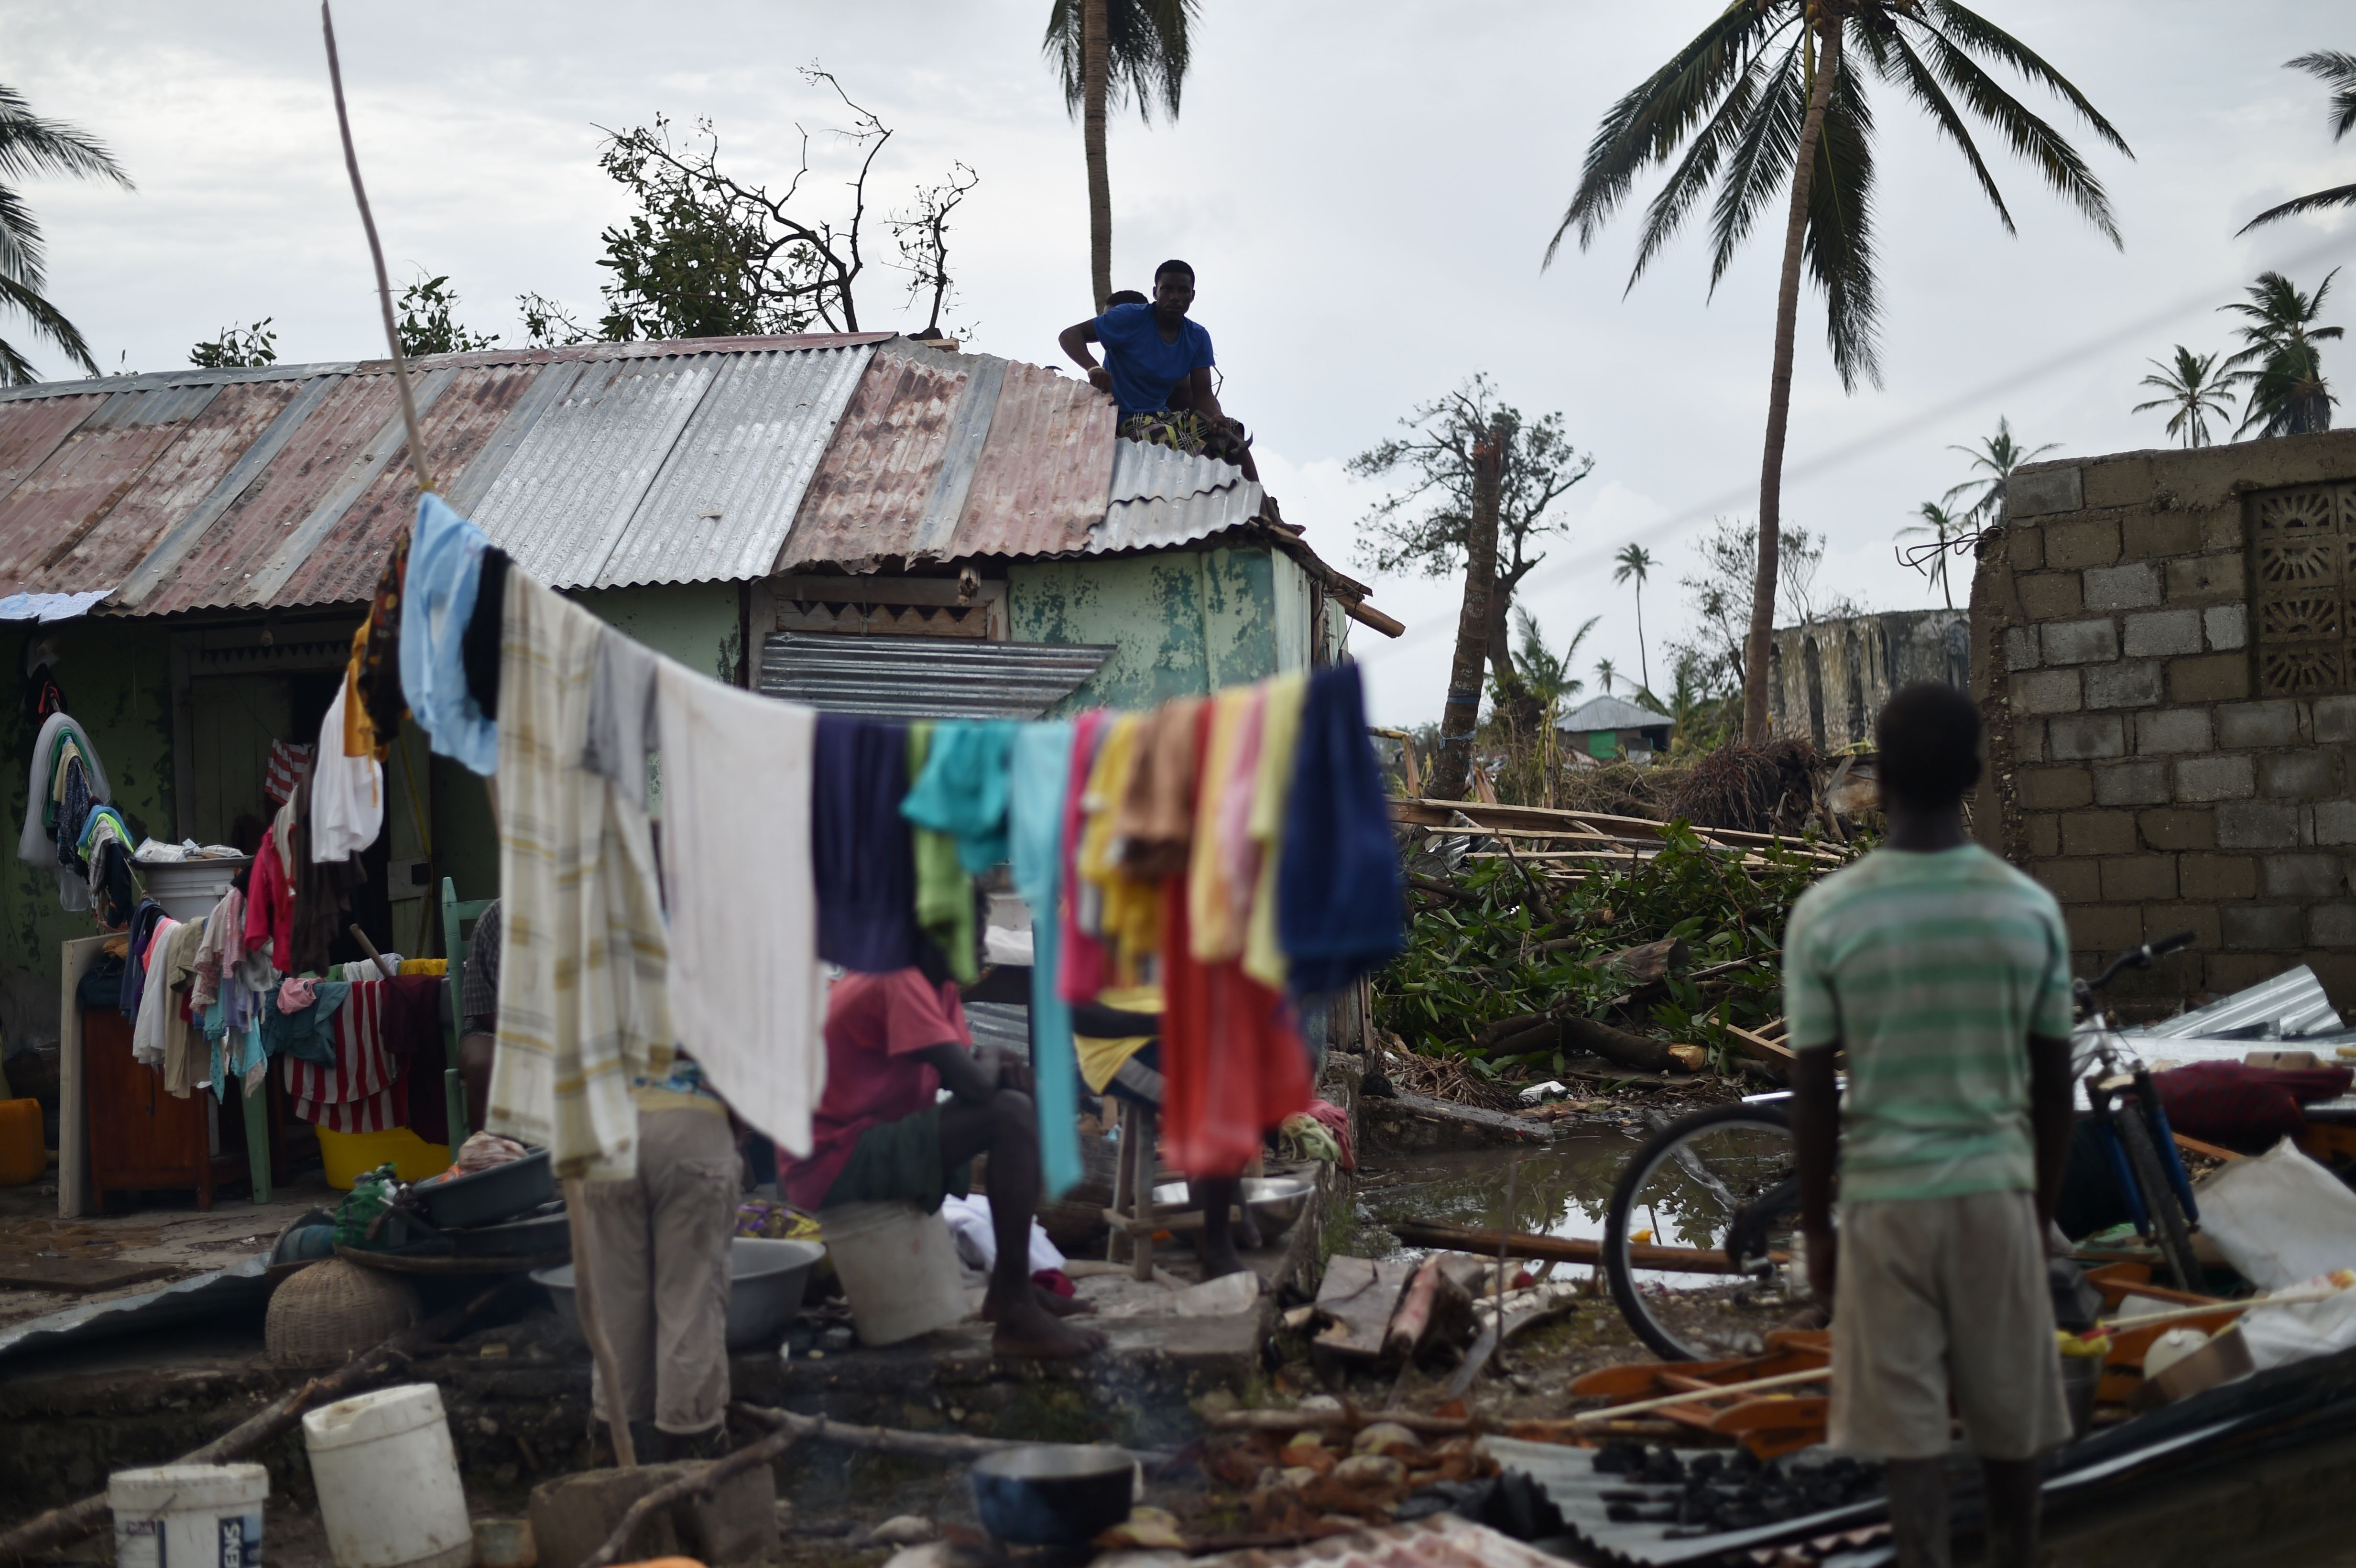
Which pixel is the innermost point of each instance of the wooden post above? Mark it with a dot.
(584, 1299)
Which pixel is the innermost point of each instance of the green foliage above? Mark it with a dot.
(1473, 961)
(1148, 46)
(425, 323)
(2192, 390)
(2281, 364)
(32, 145)
(238, 348)
(2337, 70)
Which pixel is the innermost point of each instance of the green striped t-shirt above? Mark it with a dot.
(1932, 971)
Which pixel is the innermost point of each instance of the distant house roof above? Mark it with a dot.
(598, 466)
(1610, 713)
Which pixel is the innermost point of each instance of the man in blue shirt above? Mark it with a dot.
(1158, 369)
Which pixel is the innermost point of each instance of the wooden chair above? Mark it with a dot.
(458, 916)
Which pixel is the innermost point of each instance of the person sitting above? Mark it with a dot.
(1157, 366)
(893, 1042)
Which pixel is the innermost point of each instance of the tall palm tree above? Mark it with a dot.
(1606, 672)
(2338, 71)
(1635, 561)
(1996, 457)
(1105, 49)
(31, 145)
(1945, 528)
(1761, 94)
(2195, 390)
(1546, 672)
(2288, 395)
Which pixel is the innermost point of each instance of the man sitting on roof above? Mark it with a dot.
(1158, 367)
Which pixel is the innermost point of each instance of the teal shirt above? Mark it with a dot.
(1932, 971)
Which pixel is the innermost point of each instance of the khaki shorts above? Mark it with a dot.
(1939, 1297)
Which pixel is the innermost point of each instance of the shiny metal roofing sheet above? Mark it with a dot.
(2290, 1005)
(924, 677)
(1162, 497)
(726, 494)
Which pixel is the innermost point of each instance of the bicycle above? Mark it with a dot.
(1719, 1189)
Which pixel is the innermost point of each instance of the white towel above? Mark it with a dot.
(347, 793)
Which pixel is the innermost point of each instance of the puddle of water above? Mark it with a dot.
(1559, 1191)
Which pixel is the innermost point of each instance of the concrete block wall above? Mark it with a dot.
(2159, 645)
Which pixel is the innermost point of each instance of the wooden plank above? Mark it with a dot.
(1559, 1249)
(2205, 1150)
(1358, 1295)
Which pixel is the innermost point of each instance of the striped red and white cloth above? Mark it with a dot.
(289, 765)
(364, 1092)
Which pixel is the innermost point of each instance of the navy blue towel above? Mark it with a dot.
(861, 857)
(1340, 911)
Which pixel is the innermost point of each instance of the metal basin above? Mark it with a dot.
(764, 1289)
(1277, 1203)
(1053, 1494)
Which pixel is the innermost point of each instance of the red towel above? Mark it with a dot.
(1234, 1064)
(364, 1092)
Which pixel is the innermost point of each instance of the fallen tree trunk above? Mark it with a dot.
(60, 1526)
(1571, 1035)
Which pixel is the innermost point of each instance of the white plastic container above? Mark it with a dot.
(898, 1266)
(387, 1475)
(188, 889)
(188, 1516)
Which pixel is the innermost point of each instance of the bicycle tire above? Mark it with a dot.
(1625, 1192)
(2169, 1233)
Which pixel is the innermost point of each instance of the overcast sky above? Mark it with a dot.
(1365, 190)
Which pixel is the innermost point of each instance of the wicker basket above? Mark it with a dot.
(332, 1310)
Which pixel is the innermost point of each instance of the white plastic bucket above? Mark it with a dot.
(387, 1475)
(188, 1516)
(898, 1266)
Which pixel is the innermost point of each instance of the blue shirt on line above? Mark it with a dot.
(1144, 368)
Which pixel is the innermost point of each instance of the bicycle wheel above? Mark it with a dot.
(1720, 1182)
(2169, 1231)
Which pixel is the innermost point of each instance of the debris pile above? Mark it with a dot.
(1736, 1490)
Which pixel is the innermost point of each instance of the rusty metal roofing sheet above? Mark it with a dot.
(1046, 476)
(60, 503)
(28, 436)
(874, 485)
(1162, 497)
(924, 677)
(728, 491)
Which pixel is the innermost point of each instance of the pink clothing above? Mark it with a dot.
(270, 904)
(875, 1026)
(295, 995)
(1082, 957)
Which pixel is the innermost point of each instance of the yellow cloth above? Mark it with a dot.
(1213, 931)
(361, 738)
(1100, 1058)
(1279, 736)
(1129, 920)
(426, 966)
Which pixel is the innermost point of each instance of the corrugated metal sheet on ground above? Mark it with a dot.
(924, 677)
(2291, 1004)
(1162, 497)
(1443, 1541)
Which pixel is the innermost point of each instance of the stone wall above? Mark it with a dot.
(2160, 645)
(1826, 681)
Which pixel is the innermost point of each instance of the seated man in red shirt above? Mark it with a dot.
(893, 1041)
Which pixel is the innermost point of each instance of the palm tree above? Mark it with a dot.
(1944, 526)
(1104, 48)
(1607, 672)
(2190, 388)
(32, 145)
(1760, 95)
(2288, 395)
(1635, 560)
(1546, 672)
(1995, 456)
(2337, 71)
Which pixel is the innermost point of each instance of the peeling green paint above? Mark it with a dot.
(1181, 623)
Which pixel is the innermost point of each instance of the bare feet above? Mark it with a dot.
(1027, 1328)
(1060, 1306)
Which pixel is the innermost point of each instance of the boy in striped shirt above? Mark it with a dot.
(1944, 976)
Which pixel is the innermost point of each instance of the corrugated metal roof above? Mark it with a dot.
(1162, 497)
(873, 487)
(2291, 1004)
(1610, 713)
(1043, 480)
(924, 677)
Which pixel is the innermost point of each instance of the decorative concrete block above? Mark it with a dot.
(2132, 783)
(2098, 833)
(2214, 778)
(2134, 586)
(2210, 677)
(2047, 691)
(2055, 789)
(2081, 642)
(2155, 633)
(2020, 647)
(2176, 828)
(2250, 724)
(2221, 878)
(2303, 876)
(2257, 825)
(2227, 625)
(2123, 685)
(2263, 925)
(2298, 775)
(2335, 717)
(2039, 492)
(2171, 731)
(2131, 877)
(2084, 735)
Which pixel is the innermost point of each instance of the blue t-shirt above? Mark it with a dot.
(1144, 368)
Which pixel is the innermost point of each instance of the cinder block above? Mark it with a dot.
(2201, 920)
(2140, 876)
(2331, 925)
(2298, 775)
(2218, 877)
(2038, 491)
(2303, 876)
(2055, 789)
(2170, 731)
(2081, 543)
(572, 1516)
(2132, 783)
(2081, 642)
(2123, 685)
(2247, 724)
(2206, 580)
(2072, 881)
(2210, 677)
(2214, 778)
(2049, 595)
(2221, 530)
(2150, 535)
(2098, 833)
(2024, 544)
(2335, 822)
(2044, 834)
(2227, 625)
(2335, 717)
(2155, 633)
(2263, 925)
(2222, 974)
(2257, 825)
(2020, 647)
(2046, 691)
(2177, 829)
(2106, 928)
(2084, 735)
(2134, 586)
